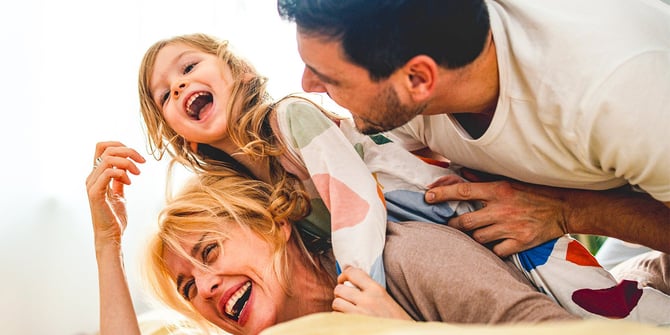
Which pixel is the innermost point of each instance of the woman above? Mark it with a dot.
(228, 256)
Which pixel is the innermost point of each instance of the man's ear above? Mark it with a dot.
(421, 75)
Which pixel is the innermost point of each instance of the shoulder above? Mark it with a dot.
(291, 104)
(298, 110)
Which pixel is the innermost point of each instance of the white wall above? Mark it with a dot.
(68, 80)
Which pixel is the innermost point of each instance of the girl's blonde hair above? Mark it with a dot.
(205, 206)
(248, 110)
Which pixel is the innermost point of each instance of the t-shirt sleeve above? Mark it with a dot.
(343, 181)
(440, 274)
(628, 134)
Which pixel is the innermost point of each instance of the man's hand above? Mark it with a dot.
(518, 216)
(515, 216)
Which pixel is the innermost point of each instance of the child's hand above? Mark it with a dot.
(358, 293)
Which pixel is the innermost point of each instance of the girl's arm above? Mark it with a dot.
(105, 186)
(344, 183)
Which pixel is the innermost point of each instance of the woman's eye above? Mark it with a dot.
(210, 253)
(189, 67)
(165, 97)
(188, 290)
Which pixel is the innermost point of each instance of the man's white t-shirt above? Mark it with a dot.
(584, 97)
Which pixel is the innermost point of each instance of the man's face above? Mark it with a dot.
(375, 106)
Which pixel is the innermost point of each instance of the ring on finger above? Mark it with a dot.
(98, 161)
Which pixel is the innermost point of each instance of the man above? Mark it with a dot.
(568, 99)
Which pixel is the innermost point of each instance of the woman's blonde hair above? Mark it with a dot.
(205, 206)
(248, 110)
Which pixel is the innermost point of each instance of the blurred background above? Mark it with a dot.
(68, 81)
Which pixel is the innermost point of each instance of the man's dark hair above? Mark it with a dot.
(382, 35)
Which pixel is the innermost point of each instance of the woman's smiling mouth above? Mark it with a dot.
(237, 302)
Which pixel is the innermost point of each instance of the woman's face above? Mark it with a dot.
(239, 291)
(192, 89)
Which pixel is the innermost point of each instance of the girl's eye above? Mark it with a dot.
(209, 253)
(189, 68)
(188, 290)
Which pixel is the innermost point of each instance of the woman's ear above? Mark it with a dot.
(420, 77)
(285, 228)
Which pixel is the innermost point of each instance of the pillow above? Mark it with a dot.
(347, 324)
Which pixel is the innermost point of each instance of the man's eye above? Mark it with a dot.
(188, 290)
(210, 253)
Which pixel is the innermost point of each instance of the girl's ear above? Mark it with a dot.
(420, 73)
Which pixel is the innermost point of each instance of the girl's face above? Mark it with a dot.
(239, 291)
(193, 89)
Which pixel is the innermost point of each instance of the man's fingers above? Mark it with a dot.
(460, 191)
(474, 220)
(449, 179)
(507, 247)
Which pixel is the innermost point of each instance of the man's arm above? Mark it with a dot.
(518, 216)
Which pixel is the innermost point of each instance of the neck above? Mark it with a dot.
(258, 167)
(470, 93)
(311, 286)
(473, 88)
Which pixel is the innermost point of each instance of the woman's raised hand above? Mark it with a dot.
(105, 186)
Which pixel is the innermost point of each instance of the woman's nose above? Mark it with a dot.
(207, 283)
(177, 90)
(311, 83)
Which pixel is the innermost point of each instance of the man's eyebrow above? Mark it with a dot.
(322, 77)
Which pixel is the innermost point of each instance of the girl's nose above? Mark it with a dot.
(176, 92)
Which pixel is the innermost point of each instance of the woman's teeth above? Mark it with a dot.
(237, 301)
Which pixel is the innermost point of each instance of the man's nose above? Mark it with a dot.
(178, 89)
(311, 83)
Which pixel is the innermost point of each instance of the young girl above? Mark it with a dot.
(209, 110)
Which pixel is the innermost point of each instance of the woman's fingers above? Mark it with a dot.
(115, 154)
(113, 161)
